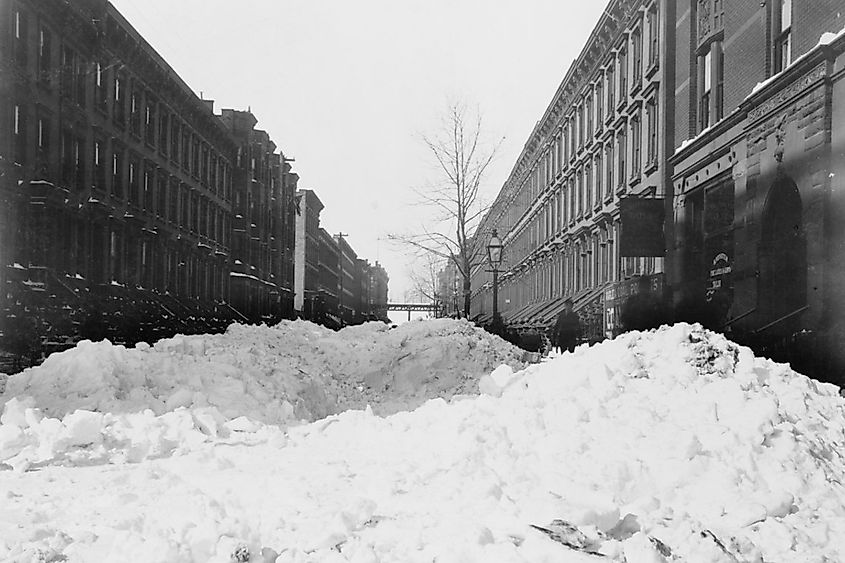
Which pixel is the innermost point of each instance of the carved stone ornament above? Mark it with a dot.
(704, 20)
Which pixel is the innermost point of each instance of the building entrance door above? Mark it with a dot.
(783, 256)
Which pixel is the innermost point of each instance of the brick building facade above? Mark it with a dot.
(758, 246)
(116, 180)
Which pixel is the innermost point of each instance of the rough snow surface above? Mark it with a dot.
(292, 371)
(672, 445)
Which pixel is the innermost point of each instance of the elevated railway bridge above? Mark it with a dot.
(411, 307)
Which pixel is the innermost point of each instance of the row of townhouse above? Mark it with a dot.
(332, 284)
(692, 152)
(128, 207)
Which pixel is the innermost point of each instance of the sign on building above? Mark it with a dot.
(642, 227)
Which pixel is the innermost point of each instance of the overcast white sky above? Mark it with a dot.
(346, 88)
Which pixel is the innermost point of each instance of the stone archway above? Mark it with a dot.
(782, 283)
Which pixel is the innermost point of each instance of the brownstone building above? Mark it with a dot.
(263, 224)
(116, 180)
(758, 211)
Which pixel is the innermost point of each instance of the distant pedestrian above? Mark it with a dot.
(567, 328)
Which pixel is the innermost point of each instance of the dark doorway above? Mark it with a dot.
(783, 258)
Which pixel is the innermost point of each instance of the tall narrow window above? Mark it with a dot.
(609, 169)
(719, 100)
(588, 188)
(150, 121)
(134, 185)
(653, 36)
(636, 58)
(706, 70)
(580, 126)
(611, 87)
(636, 145)
(621, 150)
(44, 55)
(599, 104)
(623, 74)
(783, 35)
(119, 99)
(598, 172)
(19, 132)
(117, 174)
(135, 113)
(99, 165)
(588, 110)
(100, 87)
(651, 147)
(21, 33)
(43, 135)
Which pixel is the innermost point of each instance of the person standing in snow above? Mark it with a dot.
(567, 328)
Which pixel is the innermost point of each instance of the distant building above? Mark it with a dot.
(449, 287)
(307, 252)
(328, 261)
(349, 301)
(378, 291)
(759, 173)
(261, 277)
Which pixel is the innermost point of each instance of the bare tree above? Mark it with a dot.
(461, 161)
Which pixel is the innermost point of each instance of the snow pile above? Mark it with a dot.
(672, 445)
(292, 371)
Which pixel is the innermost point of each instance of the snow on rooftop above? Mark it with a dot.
(670, 445)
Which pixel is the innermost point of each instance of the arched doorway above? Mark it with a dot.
(783, 257)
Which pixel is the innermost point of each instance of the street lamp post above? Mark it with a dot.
(494, 256)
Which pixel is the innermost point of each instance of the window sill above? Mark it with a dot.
(636, 85)
(635, 179)
(650, 167)
(652, 69)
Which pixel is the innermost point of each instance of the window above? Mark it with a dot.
(44, 55)
(100, 87)
(99, 165)
(623, 75)
(186, 149)
(163, 129)
(588, 188)
(150, 121)
(147, 187)
(117, 174)
(651, 146)
(637, 58)
(161, 196)
(609, 170)
(622, 153)
(135, 113)
(706, 71)
(19, 132)
(119, 99)
(783, 35)
(588, 110)
(580, 193)
(43, 135)
(611, 87)
(599, 106)
(134, 184)
(21, 34)
(73, 162)
(653, 21)
(711, 72)
(580, 126)
(636, 145)
(598, 192)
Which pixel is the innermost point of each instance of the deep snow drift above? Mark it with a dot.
(295, 370)
(672, 445)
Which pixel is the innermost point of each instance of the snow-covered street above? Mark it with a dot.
(295, 443)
